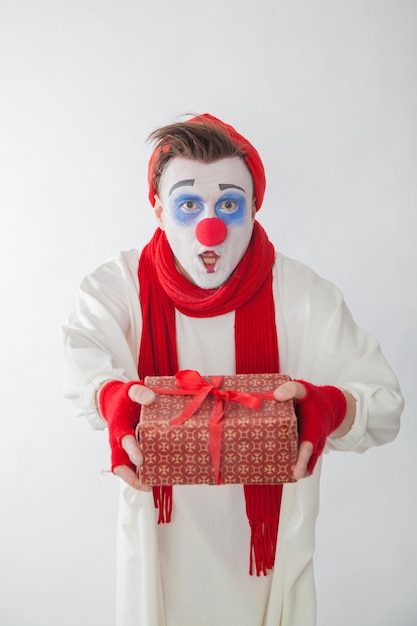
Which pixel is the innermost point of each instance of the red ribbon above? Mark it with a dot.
(191, 382)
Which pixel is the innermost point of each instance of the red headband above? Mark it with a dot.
(251, 158)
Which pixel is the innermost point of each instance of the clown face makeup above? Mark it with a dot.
(207, 212)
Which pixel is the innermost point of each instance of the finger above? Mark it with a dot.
(131, 446)
(130, 477)
(291, 390)
(141, 394)
(305, 451)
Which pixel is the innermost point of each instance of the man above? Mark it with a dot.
(209, 293)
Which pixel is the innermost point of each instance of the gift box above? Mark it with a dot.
(219, 429)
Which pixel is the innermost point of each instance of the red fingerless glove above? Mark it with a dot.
(319, 413)
(122, 415)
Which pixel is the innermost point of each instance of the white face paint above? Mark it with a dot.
(192, 191)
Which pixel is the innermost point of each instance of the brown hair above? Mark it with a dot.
(201, 140)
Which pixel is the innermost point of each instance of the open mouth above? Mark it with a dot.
(209, 260)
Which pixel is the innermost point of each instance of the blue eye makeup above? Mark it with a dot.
(231, 208)
(187, 208)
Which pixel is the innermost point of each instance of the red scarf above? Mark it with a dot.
(248, 292)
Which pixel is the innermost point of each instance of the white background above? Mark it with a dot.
(326, 90)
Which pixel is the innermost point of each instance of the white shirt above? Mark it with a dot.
(194, 571)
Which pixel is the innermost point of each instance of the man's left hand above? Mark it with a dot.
(322, 410)
(296, 391)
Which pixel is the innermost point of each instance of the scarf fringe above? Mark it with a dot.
(263, 545)
(162, 497)
(263, 505)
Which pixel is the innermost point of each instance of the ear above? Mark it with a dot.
(159, 210)
(253, 208)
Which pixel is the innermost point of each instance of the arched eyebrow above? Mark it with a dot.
(230, 186)
(182, 183)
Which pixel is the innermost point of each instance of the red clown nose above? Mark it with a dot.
(211, 231)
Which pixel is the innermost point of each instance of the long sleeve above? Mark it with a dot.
(101, 336)
(320, 342)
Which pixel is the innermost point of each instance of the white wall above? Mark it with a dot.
(326, 91)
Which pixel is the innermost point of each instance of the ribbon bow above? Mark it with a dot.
(190, 382)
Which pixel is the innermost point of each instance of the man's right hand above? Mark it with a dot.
(120, 406)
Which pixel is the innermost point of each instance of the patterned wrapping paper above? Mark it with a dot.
(258, 446)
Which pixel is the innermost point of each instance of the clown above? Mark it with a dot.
(207, 212)
(209, 292)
